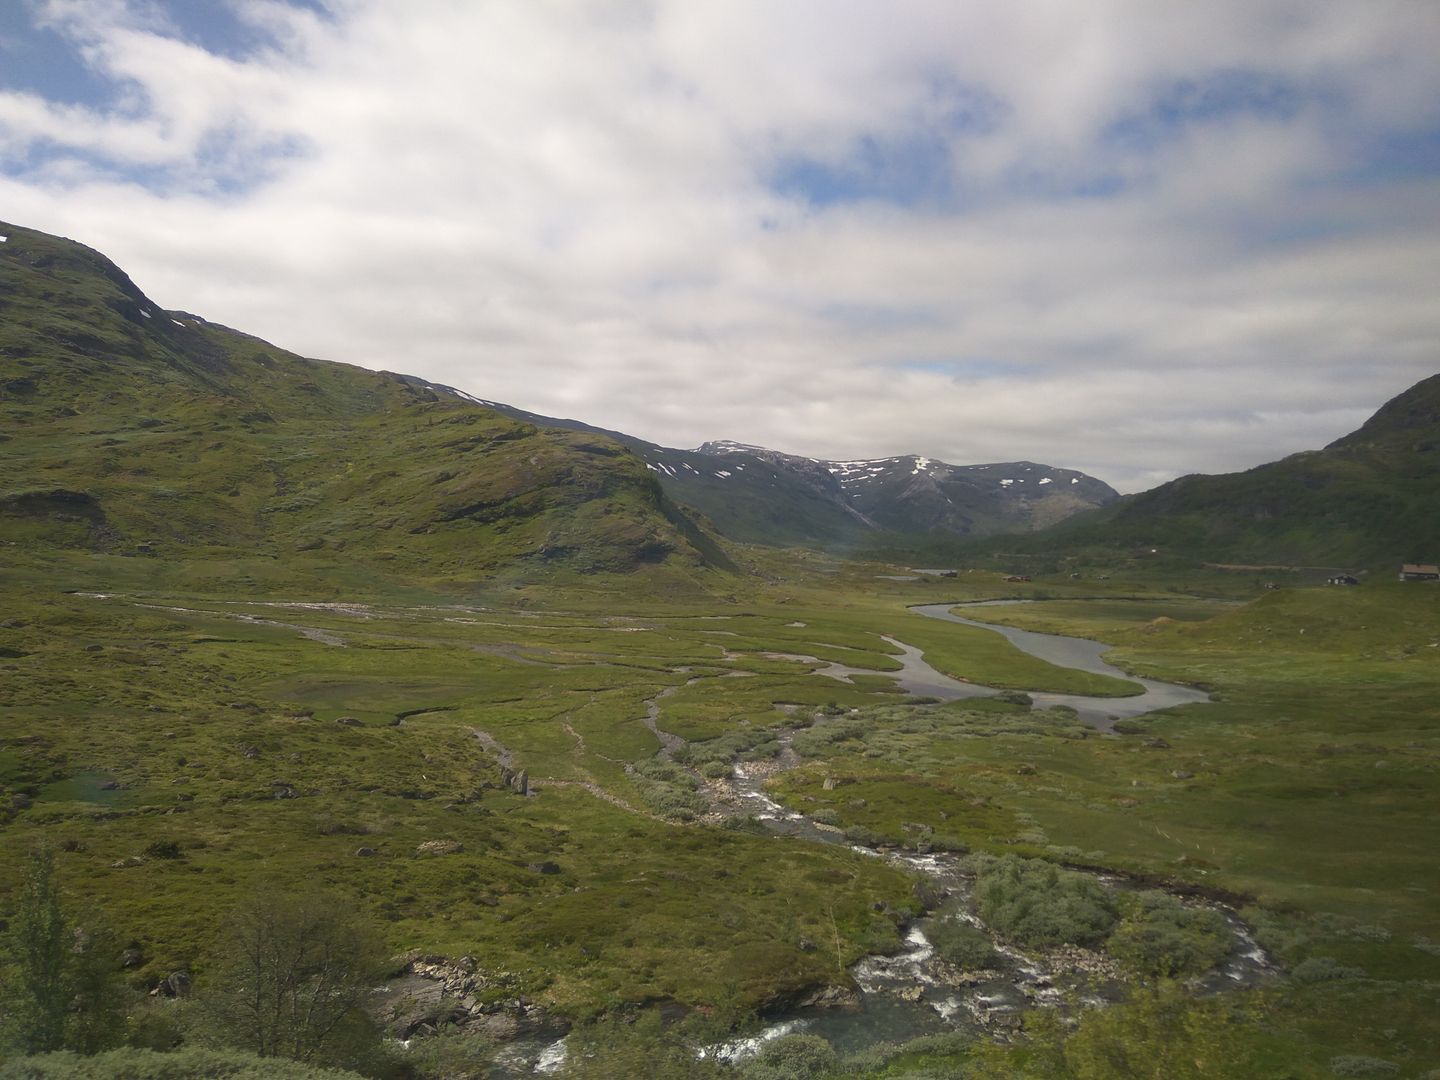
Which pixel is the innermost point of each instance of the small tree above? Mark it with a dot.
(291, 978)
(62, 987)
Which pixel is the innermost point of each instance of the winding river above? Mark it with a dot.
(1078, 653)
(913, 992)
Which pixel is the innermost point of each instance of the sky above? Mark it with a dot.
(1140, 238)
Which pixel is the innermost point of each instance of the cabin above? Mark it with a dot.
(1342, 579)
(1419, 572)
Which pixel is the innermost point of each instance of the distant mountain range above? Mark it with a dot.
(128, 429)
(755, 495)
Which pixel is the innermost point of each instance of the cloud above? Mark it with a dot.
(1135, 239)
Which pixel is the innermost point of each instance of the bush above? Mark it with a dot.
(1324, 969)
(791, 1057)
(825, 816)
(716, 770)
(1039, 905)
(1014, 697)
(859, 834)
(1361, 1065)
(292, 978)
(963, 945)
(187, 1064)
(1160, 936)
(749, 823)
(58, 981)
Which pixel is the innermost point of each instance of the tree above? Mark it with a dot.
(62, 987)
(291, 978)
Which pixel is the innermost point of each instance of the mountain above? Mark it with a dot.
(1371, 498)
(133, 430)
(755, 495)
(914, 494)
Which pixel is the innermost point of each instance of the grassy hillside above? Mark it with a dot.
(134, 431)
(1369, 499)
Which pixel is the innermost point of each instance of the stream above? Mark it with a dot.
(914, 992)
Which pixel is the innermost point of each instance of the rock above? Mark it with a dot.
(520, 783)
(543, 867)
(132, 958)
(174, 985)
(1025, 770)
(364, 852)
(829, 997)
(94, 648)
(440, 847)
(1182, 774)
(805, 945)
(1156, 743)
(1127, 803)
(251, 752)
(348, 721)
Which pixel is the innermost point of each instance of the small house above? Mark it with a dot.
(1342, 579)
(1419, 572)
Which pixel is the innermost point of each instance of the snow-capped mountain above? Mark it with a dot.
(758, 495)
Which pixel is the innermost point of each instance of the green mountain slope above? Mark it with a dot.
(131, 430)
(755, 495)
(1371, 498)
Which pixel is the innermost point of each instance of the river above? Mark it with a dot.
(913, 992)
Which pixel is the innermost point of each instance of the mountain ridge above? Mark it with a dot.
(753, 494)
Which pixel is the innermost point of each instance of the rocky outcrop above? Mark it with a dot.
(440, 847)
(434, 991)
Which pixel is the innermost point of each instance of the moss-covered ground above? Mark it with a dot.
(175, 710)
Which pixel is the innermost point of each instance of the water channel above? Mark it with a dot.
(913, 992)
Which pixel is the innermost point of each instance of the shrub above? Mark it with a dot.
(187, 1064)
(716, 770)
(748, 823)
(825, 816)
(1361, 1065)
(1160, 936)
(859, 834)
(1324, 969)
(292, 977)
(791, 1057)
(1014, 697)
(963, 945)
(1037, 904)
(60, 990)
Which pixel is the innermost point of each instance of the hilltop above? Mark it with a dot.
(1368, 500)
(133, 430)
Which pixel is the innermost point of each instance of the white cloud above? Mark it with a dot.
(565, 206)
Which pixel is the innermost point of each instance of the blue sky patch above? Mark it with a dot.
(1220, 96)
(45, 63)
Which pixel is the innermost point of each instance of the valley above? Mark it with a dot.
(607, 785)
